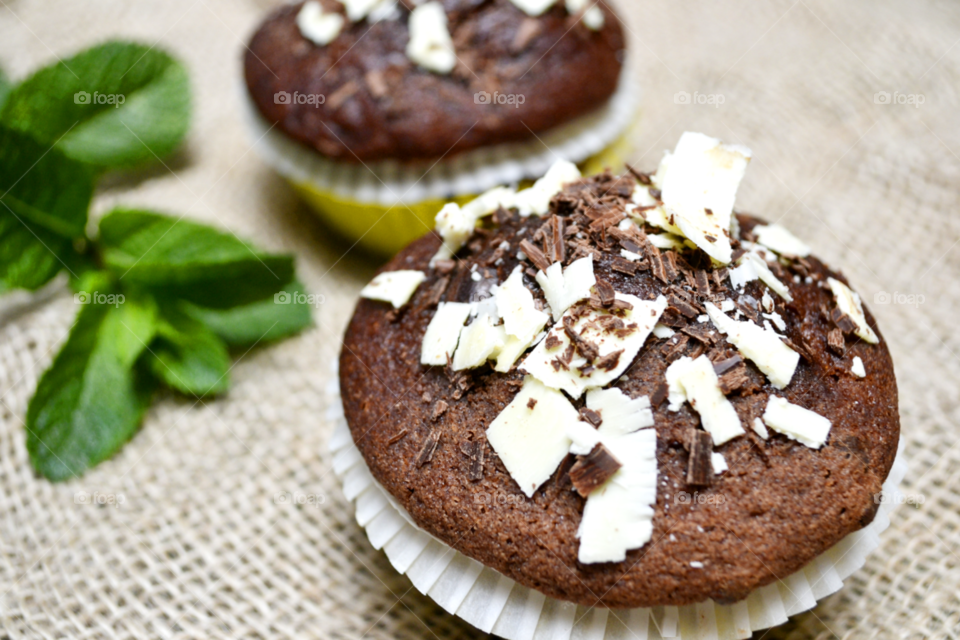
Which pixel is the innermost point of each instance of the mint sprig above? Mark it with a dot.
(161, 299)
(116, 105)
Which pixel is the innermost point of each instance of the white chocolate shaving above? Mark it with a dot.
(395, 287)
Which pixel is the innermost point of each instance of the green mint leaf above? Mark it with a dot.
(285, 313)
(91, 400)
(5, 88)
(187, 356)
(44, 197)
(176, 258)
(119, 104)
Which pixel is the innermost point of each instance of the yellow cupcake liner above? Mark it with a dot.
(385, 229)
(383, 206)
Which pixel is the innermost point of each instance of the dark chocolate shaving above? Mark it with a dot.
(642, 178)
(726, 364)
(610, 361)
(682, 306)
(605, 292)
(590, 416)
(583, 346)
(670, 265)
(656, 264)
(397, 437)
(437, 291)
(429, 447)
(843, 321)
(553, 241)
(702, 332)
(624, 266)
(592, 470)
(474, 451)
(534, 254)
(659, 394)
(675, 347)
(836, 342)
(700, 463)
(734, 379)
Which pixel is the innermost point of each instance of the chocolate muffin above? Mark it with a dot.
(617, 391)
(381, 111)
(381, 101)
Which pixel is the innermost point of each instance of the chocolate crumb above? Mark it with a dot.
(438, 410)
(528, 30)
(531, 403)
(376, 83)
(342, 94)
(445, 267)
(592, 470)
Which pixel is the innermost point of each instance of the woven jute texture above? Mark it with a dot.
(222, 518)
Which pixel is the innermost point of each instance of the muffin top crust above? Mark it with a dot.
(627, 416)
(502, 75)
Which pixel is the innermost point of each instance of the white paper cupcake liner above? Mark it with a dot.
(497, 604)
(391, 182)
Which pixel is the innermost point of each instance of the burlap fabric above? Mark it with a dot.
(223, 518)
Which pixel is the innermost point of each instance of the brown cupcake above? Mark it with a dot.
(781, 501)
(380, 104)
